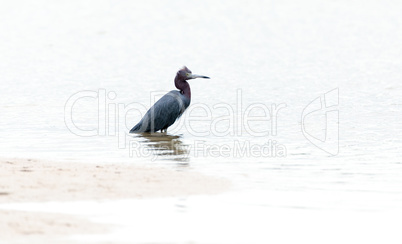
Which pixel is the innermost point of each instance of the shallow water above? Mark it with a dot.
(302, 112)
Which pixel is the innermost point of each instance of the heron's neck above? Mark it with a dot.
(183, 86)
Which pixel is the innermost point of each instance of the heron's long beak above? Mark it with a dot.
(192, 76)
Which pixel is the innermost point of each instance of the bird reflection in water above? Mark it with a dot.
(165, 146)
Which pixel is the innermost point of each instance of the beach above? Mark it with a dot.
(294, 138)
(30, 180)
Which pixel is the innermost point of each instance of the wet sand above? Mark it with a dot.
(31, 227)
(27, 180)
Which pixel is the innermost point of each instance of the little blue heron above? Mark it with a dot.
(170, 107)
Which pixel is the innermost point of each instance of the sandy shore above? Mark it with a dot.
(27, 180)
(31, 227)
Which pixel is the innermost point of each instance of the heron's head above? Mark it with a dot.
(186, 74)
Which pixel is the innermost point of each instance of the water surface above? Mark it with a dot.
(269, 61)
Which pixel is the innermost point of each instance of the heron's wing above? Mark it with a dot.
(165, 111)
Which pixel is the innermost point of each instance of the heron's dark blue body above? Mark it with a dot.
(163, 113)
(170, 107)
